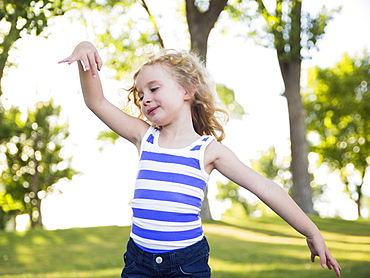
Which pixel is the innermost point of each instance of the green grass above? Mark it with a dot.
(264, 247)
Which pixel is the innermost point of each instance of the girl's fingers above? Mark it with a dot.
(328, 262)
(98, 61)
(313, 257)
(323, 261)
(337, 270)
(333, 264)
(91, 64)
(88, 56)
(66, 60)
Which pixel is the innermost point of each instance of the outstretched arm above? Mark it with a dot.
(89, 63)
(225, 161)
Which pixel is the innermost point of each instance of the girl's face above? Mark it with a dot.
(163, 100)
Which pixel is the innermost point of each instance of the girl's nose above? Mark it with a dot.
(146, 99)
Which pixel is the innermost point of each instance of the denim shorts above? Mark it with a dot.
(188, 262)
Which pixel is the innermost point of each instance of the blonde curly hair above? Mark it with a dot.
(191, 74)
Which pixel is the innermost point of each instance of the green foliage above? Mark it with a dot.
(291, 32)
(99, 5)
(123, 40)
(238, 197)
(338, 108)
(108, 136)
(10, 122)
(268, 165)
(23, 17)
(29, 15)
(274, 168)
(227, 98)
(34, 159)
(253, 247)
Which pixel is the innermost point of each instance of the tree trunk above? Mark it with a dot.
(200, 25)
(359, 195)
(301, 189)
(35, 188)
(358, 203)
(290, 67)
(36, 220)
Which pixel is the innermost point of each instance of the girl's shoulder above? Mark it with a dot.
(214, 152)
(216, 148)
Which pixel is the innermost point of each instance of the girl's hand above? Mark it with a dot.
(318, 248)
(88, 55)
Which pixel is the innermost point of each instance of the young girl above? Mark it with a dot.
(179, 146)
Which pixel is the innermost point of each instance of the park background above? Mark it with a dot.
(101, 194)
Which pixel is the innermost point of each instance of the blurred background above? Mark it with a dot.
(293, 75)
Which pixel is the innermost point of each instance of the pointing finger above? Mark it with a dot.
(65, 60)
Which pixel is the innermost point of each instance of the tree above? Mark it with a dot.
(292, 33)
(338, 107)
(23, 17)
(10, 120)
(35, 160)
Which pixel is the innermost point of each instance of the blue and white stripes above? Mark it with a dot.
(168, 195)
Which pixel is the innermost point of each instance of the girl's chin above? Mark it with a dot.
(156, 122)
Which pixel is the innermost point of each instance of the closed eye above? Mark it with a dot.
(154, 89)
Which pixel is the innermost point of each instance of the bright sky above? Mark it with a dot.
(101, 195)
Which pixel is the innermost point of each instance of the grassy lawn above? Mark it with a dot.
(264, 247)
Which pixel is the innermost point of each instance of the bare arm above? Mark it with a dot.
(89, 63)
(225, 161)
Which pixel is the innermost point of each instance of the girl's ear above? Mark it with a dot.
(188, 95)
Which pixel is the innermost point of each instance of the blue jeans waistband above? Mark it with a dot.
(168, 259)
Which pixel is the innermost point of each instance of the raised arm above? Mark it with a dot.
(89, 63)
(225, 161)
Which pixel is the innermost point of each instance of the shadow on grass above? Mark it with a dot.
(265, 247)
(271, 230)
(362, 272)
(351, 270)
(80, 249)
(238, 256)
(347, 227)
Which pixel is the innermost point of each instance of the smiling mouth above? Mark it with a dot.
(151, 110)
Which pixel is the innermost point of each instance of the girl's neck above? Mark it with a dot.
(177, 136)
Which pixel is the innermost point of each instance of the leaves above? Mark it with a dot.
(227, 98)
(338, 104)
(338, 110)
(23, 17)
(34, 158)
(273, 167)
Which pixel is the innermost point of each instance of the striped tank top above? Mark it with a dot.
(169, 192)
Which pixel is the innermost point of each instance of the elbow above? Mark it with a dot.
(94, 104)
